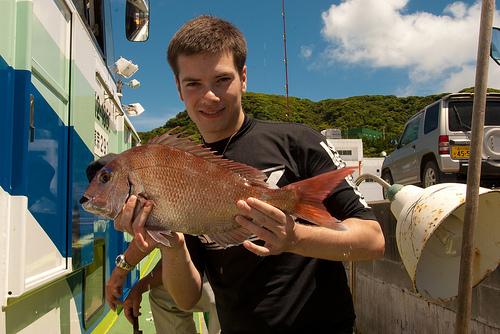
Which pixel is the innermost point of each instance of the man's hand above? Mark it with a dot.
(144, 241)
(132, 218)
(132, 210)
(132, 304)
(114, 287)
(269, 224)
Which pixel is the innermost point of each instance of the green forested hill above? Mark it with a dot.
(386, 114)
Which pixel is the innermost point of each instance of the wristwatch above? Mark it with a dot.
(121, 263)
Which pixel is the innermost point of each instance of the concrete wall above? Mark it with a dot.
(386, 302)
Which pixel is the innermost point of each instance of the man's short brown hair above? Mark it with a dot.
(209, 35)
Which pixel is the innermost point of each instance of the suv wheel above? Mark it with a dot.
(431, 174)
(387, 177)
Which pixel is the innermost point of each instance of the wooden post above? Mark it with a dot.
(474, 170)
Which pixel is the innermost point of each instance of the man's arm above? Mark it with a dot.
(353, 239)
(132, 304)
(180, 276)
(361, 240)
(114, 286)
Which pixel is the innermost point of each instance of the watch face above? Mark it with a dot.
(121, 263)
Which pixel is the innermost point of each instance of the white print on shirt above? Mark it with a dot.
(334, 155)
(275, 176)
(337, 161)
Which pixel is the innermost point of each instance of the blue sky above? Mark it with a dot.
(335, 48)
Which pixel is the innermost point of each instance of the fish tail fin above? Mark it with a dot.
(312, 192)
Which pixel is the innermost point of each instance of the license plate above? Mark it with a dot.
(460, 152)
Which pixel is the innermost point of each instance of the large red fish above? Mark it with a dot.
(195, 191)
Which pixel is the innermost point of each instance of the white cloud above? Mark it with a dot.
(306, 51)
(466, 75)
(430, 47)
(457, 9)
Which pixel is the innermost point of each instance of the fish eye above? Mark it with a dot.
(105, 177)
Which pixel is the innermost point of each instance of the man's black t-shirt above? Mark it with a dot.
(284, 293)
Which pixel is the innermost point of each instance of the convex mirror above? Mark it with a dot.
(495, 45)
(137, 20)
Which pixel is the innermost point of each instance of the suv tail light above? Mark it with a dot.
(444, 145)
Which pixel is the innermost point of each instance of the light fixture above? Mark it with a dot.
(429, 235)
(125, 67)
(133, 109)
(133, 83)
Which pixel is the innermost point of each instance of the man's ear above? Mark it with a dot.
(178, 88)
(244, 79)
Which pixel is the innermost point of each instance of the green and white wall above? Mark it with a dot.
(51, 127)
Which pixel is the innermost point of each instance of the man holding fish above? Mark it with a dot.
(272, 256)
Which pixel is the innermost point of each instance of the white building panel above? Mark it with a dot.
(348, 149)
(371, 190)
(29, 257)
(57, 26)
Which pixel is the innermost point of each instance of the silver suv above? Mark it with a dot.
(435, 144)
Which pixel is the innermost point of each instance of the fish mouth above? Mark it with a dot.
(89, 206)
(84, 200)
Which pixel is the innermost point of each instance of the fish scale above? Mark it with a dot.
(171, 189)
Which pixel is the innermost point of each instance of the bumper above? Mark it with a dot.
(489, 170)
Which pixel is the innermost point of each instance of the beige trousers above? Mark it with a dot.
(169, 319)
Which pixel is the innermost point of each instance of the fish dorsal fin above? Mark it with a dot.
(176, 140)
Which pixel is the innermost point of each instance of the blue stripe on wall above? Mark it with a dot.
(46, 178)
(19, 139)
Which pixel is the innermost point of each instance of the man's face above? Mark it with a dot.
(211, 88)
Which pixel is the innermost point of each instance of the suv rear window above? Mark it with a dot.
(460, 115)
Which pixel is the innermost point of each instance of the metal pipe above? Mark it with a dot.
(367, 176)
(474, 170)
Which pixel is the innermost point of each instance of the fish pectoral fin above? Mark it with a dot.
(159, 236)
(230, 238)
